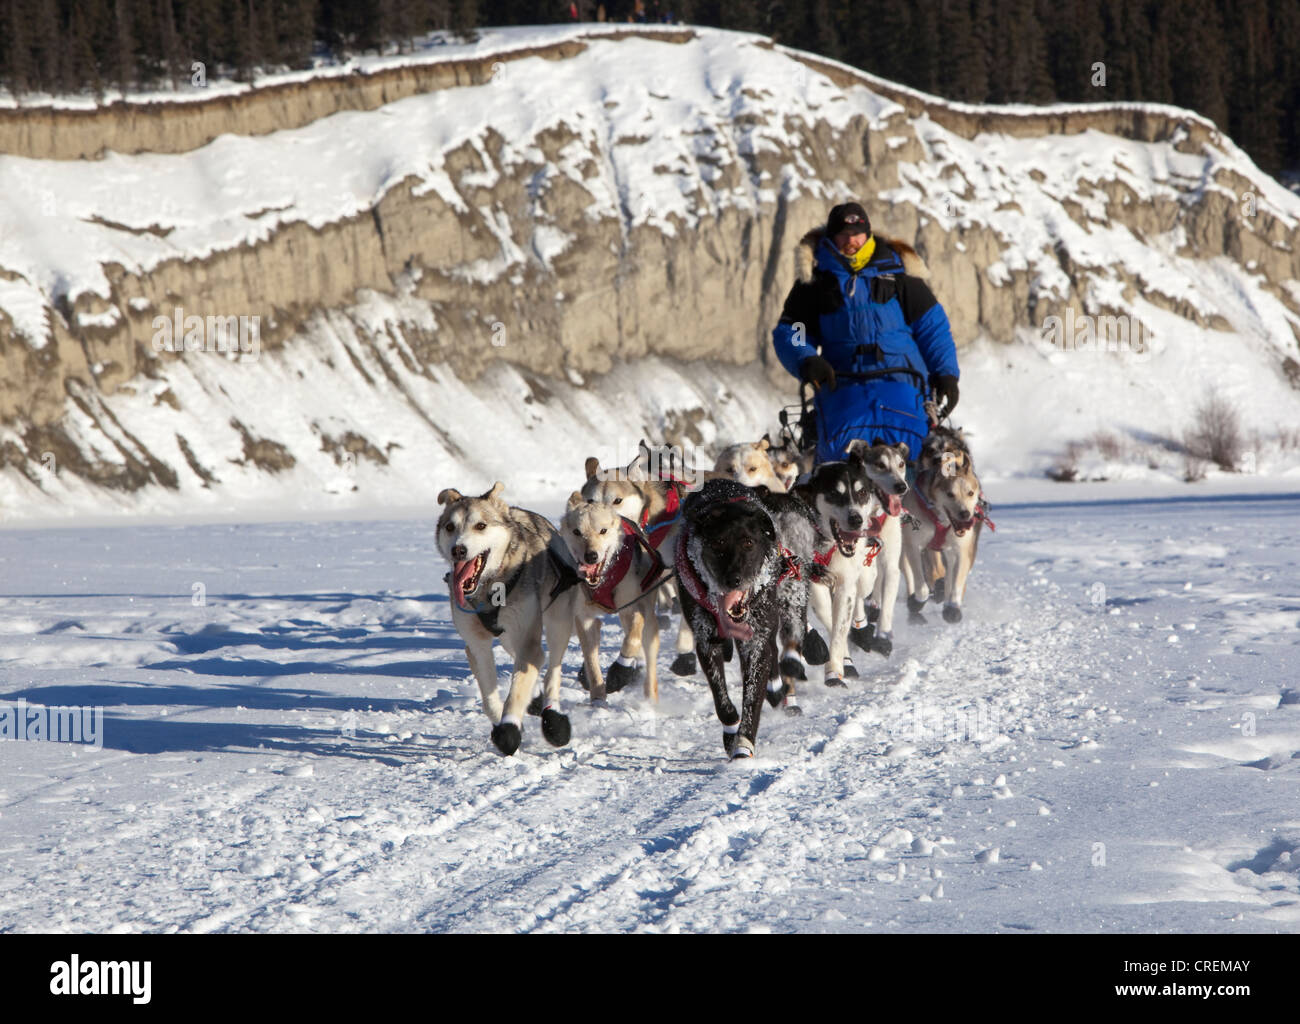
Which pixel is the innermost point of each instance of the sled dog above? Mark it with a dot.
(951, 511)
(618, 571)
(847, 506)
(750, 463)
(511, 580)
(728, 563)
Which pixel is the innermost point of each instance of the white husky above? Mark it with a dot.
(846, 504)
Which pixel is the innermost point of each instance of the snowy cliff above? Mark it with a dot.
(493, 258)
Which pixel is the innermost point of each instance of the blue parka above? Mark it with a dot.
(871, 322)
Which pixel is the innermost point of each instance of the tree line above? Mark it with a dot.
(1235, 61)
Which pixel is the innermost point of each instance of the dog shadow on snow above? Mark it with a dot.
(261, 684)
(172, 735)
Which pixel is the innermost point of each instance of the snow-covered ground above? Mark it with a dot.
(1110, 741)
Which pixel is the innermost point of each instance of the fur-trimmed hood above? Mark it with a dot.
(805, 255)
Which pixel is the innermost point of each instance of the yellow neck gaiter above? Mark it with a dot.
(863, 256)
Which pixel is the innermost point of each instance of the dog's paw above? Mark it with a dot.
(684, 664)
(936, 592)
(742, 748)
(883, 645)
(815, 651)
(582, 678)
(665, 622)
(619, 675)
(728, 741)
(535, 705)
(862, 635)
(555, 727)
(775, 692)
(850, 670)
(507, 737)
(792, 705)
(952, 613)
(792, 668)
(914, 606)
(832, 680)
(873, 611)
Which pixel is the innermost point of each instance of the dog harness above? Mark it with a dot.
(633, 537)
(658, 529)
(874, 546)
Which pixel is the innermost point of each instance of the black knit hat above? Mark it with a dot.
(847, 215)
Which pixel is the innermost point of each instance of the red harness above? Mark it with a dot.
(791, 566)
(874, 547)
(633, 538)
(657, 530)
(941, 529)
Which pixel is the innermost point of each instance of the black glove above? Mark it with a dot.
(945, 394)
(818, 372)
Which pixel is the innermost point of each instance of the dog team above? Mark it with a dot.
(747, 549)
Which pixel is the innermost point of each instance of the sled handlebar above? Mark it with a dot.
(886, 372)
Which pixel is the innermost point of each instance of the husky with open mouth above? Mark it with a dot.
(951, 509)
(511, 579)
(728, 564)
(618, 572)
(849, 508)
(649, 491)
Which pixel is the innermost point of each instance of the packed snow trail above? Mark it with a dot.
(1109, 741)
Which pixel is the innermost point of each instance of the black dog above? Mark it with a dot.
(728, 565)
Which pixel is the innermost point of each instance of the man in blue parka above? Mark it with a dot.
(863, 328)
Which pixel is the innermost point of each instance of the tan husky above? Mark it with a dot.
(952, 510)
(510, 579)
(618, 571)
(654, 505)
(750, 463)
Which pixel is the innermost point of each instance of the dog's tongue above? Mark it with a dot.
(729, 626)
(895, 505)
(464, 570)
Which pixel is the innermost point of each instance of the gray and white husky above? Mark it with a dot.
(511, 579)
(846, 503)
